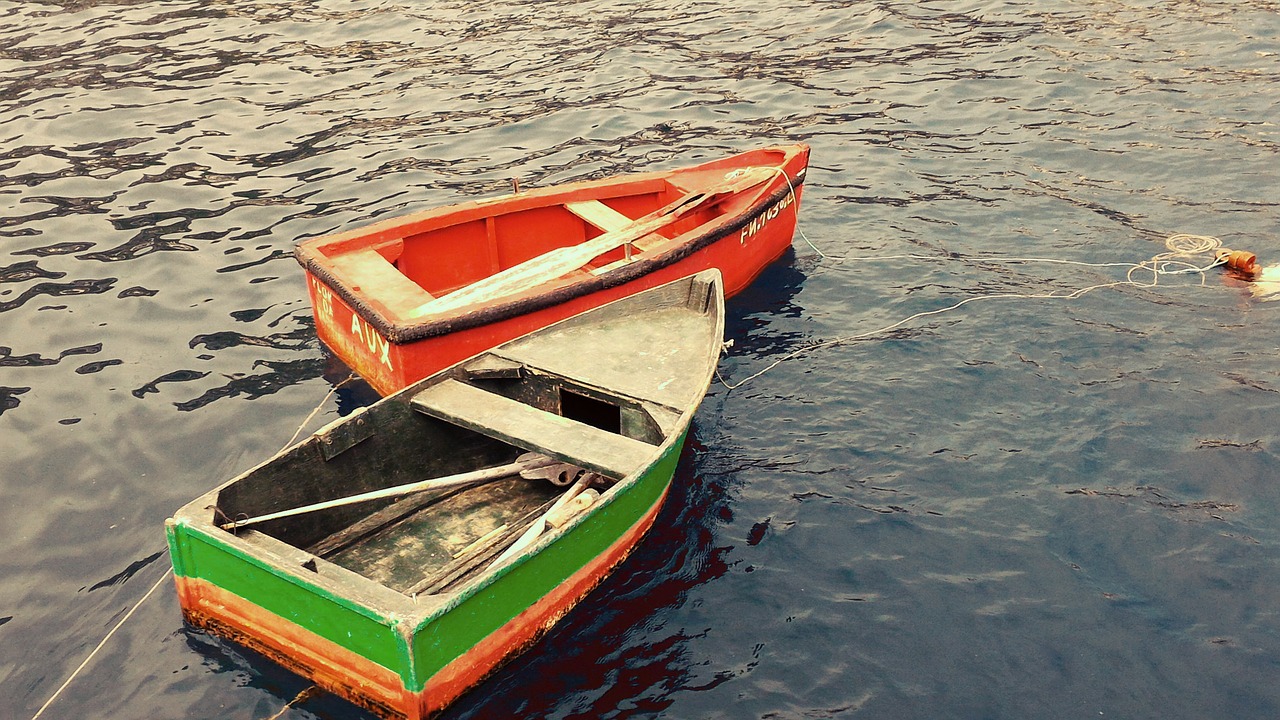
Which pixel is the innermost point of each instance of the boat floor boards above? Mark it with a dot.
(423, 543)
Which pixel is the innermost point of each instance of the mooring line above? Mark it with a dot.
(306, 694)
(323, 400)
(1182, 249)
(101, 644)
(795, 202)
(75, 673)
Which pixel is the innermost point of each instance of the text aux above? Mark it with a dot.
(362, 333)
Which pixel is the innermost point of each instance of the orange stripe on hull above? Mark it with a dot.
(370, 685)
(324, 662)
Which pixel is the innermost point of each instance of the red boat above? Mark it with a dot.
(404, 298)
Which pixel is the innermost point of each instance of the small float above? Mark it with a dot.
(403, 298)
(401, 554)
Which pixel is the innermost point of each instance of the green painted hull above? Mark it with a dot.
(439, 634)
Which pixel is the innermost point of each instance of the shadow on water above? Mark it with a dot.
(754, 318)
(220, 657)
(351, 391)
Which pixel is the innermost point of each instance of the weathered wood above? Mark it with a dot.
(465, 478)
(369, 270)
(528, 427)
(561, 516)
(642, 370)
(371, 524)
(482, 541)
(540, 525)
(476, 556)
(492, 367)
(402, 553)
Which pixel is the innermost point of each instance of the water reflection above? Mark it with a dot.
(756, 318)
(278, 376)
(71, 287)
(616, 649)
(159, 161)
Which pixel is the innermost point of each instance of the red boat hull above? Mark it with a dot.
(391, 350)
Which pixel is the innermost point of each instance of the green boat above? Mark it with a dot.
(400, 555)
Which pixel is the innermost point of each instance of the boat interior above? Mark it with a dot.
(429, 541)
(423, 260)
(525, 400)
(445, 259)
(448, 258)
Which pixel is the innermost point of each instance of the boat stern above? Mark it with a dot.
(334, 630)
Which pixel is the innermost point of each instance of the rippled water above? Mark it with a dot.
(1021, 508)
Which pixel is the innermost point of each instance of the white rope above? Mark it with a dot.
(306, 694)
(1182, 249)
(76, 672)
(795, 203)
(323, 400)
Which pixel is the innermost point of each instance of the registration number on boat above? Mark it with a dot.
(758, 222)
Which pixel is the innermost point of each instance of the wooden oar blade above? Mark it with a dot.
(561, 261)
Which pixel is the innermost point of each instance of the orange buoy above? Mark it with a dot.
(1239, 260)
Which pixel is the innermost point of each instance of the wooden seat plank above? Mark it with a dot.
(599, 214)
(532, 429)
(370, 271)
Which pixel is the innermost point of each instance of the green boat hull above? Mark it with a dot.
(333, 560)
(391, 655)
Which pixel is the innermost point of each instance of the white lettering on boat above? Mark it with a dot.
(372, 339)
(324, 299)
(757, 223)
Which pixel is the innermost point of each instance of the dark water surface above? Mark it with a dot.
(1022, 508)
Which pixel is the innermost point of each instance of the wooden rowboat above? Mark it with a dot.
(401, 299)
(398, 556)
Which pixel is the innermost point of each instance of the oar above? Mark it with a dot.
(528, 461)
(540, 525)
(553, 264)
